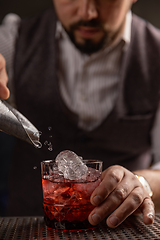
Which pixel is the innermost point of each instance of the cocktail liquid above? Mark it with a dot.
(67, 203)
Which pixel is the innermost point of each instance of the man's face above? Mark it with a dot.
(92, 23)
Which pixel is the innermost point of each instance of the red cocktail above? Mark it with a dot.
(67, 202)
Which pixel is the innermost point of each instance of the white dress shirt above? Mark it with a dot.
(88, 84)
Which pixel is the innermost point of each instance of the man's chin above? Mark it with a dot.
(88, 46)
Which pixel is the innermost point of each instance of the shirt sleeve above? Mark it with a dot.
(8, 35)
(155, 136)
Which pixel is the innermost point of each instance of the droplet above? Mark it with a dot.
(49, 128)
(50, 148)
(35, 167)
(46, 142)
(50, 136)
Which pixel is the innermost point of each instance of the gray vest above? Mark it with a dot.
(123, 137)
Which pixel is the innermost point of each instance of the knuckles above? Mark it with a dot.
(137, 198)
(115, 173)
(149, 202)
(121, 194)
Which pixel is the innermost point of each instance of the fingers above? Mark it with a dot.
(133, 203)
(119, 195)
(128, 206)
(148, 211)
(110, 178)
(113, 201)
(4, 91)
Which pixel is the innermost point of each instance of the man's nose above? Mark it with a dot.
(87, 10)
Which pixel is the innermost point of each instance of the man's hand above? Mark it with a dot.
(120, 194)
(4, 91)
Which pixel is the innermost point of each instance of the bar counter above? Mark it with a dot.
(34, 228)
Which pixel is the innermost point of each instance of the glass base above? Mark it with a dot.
(66, 225)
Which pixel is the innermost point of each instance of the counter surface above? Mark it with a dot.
(27, 228)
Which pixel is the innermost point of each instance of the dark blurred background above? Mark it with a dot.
(148, 9)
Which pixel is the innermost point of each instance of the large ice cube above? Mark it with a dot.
(71, 165)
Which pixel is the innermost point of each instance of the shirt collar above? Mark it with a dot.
(126, 36)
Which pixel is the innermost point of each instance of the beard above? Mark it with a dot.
(88, 46)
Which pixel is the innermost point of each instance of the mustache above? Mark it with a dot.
(91, 23)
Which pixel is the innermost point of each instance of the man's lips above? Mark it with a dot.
(87, 32)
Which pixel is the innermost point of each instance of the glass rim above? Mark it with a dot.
(48, 161)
